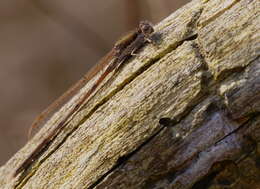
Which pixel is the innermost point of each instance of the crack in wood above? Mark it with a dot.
(218, 14)
(121, 160)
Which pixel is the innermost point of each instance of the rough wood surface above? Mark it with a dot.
(182, 114)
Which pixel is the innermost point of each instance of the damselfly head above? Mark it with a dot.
(146, 27)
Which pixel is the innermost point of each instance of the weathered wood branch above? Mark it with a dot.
(182, 114)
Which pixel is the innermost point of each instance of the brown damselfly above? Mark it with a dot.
(120, 53)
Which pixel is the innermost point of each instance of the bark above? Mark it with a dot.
(181, 114)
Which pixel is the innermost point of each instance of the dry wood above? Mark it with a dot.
(182, 114)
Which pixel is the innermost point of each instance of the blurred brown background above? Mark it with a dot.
(47, 45)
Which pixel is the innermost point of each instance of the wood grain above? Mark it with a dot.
(203, 76)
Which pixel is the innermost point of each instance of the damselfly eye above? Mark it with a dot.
(146, 27)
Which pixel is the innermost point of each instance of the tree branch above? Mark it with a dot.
(181, 114)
